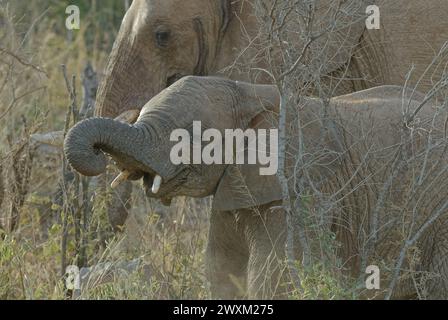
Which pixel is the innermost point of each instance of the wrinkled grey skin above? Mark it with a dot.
(247, 226)
(155, 47)
(144, 148)
(162, 40)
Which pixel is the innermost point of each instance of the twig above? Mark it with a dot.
(409, 243)
(65, 183)
(23, 62)
(15, 100)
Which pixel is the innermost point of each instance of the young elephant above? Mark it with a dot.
(155, 47)
(381, 186)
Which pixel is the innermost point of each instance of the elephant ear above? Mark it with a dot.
(242, 186)
(341, 24)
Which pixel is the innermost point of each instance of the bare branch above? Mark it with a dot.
(23, 62)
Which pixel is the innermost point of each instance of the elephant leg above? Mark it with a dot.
(265, 231)
(226, 257)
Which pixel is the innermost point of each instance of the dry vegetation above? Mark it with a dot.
(51, 217)
(43, 228)
(38, 230)
(48, 219)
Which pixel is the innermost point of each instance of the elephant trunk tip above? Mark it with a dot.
(81, 151)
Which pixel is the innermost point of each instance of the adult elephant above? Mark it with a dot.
(161, 41)
(383, 173)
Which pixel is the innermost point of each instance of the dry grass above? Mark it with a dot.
(33, 97)
(170, 242)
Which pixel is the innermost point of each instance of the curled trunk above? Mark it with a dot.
(86, 142)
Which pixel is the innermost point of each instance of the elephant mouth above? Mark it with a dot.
(148, 183)
(167, 188)
(154, 185)
(172, 79)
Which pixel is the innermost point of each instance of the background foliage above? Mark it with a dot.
(34, 43)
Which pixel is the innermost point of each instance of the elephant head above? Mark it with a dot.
(142, 150)
(159, 42)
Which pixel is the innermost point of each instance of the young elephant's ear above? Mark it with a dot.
(242, 186)
(256, 99)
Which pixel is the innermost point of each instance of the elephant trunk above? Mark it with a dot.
(119, 91)
(86, 142)
(129, 81)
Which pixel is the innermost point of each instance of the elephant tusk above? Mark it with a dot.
(123, 176)
(55, 139)
(129, 116)
(156, 184)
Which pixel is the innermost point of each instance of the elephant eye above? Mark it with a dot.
(162, 38)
